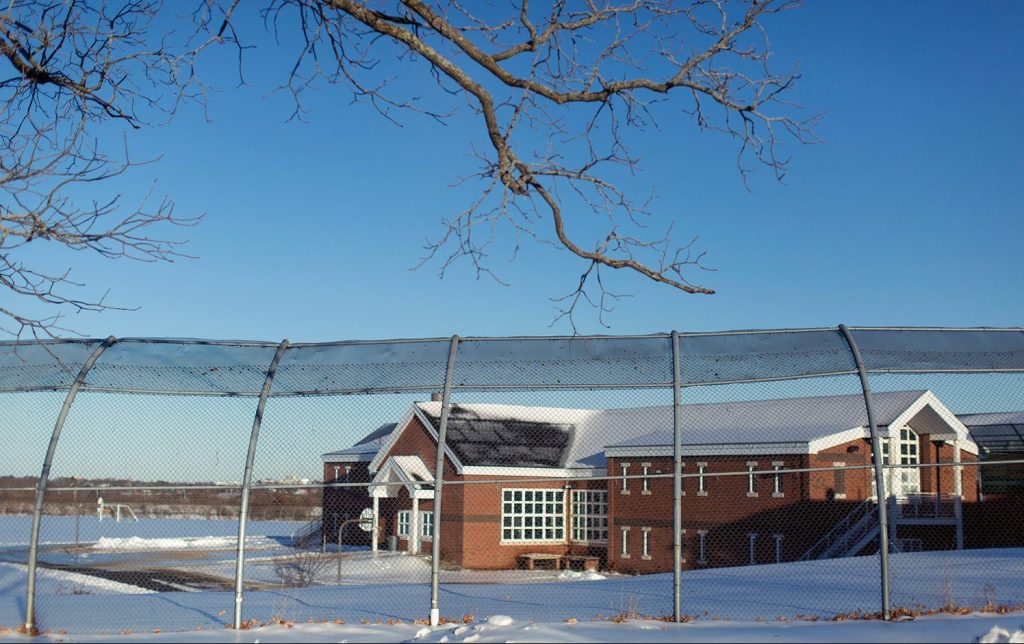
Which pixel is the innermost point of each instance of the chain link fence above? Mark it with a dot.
(753, 475)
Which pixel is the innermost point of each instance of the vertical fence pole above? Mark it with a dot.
(435, 544)
(243, 512)
(37, 514)
(677, 484)
(876, 460)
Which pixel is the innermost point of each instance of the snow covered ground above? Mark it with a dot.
(14, 530)
(497, 628)
(752, 593)
(394, 587)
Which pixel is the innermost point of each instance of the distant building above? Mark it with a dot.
(626, 523)
(1000, 437)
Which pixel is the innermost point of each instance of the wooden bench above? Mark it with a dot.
(586, 562)
(529, 559)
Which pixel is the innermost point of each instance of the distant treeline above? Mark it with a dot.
(157, 499)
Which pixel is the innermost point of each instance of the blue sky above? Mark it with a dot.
(909, 212)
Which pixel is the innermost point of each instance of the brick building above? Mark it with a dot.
(759, 515)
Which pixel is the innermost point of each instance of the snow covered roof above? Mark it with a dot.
(557, 438)
(508, 435)
(783, 420)
(999, 432)
(365, 449)
(515, 436)
(408, 471)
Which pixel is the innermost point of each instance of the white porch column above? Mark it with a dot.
(373, 532)
(414, 528)
(891, 488)
(958, 494)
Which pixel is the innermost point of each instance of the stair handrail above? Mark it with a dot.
(845, 524)
(857, 531)
(302, 535)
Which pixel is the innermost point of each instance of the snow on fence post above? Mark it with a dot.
(37, 514)
(677, 483)
(876, 461)
(435, 545)
(243, 512)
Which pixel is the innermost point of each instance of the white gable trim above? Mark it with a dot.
(414, 410)
(389, 442)
(380, 483)
(928, 399)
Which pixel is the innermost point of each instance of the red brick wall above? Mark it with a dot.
(810, 503)
(853, 484)
(726, 511)
(340, 504)
(416, 441)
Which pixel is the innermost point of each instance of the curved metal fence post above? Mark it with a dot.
(243, 512)
(677, 483)
(876, 460)
(435, 544)
(37, 514)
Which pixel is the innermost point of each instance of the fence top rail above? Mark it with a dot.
(510, 338)
(200, 367)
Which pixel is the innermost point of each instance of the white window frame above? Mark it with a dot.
(589, 521)
(625, 482)
(777, 482)
(427, 525)
(778, 548)
(528, 518)
(752, 538)
(646, 482)
(702, 485)
(645, 548)
(624, 550)
(751, 479)
(702, 538)
(909, 438)
(337, 473)
(404, 517)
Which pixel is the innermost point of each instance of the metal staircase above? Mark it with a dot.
(308, 534)
(848, 537)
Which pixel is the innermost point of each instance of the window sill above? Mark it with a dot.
(646, 557)
(646, 492)
(778, 495)
(533, 543)
(752, 495)
(702, 493)
(622, 556)
(623, 491)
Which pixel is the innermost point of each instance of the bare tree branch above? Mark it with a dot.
(587, 75)
(73, 66)
(584, 78)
